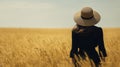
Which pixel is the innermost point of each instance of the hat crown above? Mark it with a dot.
(87, 12)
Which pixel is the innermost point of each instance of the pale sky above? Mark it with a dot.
(55, 13)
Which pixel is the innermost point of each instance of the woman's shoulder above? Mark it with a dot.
(97, 28)
(75, 28)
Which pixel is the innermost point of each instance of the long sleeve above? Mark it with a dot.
(102, 50)
(74, 45)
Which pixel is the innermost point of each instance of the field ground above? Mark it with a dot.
(49, 48)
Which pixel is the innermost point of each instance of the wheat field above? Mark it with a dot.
(49, 48)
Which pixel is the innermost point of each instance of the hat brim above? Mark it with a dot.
(85, 22)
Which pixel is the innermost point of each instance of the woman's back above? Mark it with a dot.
(86, 37)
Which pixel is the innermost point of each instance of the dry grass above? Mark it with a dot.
(49, 48)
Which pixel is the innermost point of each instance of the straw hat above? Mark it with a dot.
(87, 17)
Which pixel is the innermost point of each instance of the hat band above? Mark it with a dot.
(87, 18)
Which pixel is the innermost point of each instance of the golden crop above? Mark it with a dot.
(49, 48)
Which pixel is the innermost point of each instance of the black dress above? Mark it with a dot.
(85, 39)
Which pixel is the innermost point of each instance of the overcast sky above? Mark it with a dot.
(55, 13)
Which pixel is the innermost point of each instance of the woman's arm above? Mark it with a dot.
(74, 49)
(102, 50)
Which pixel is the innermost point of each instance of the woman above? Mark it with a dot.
(86, 36)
